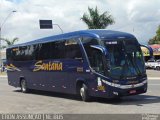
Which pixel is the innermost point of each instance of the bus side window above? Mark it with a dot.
(73, 50)
(43, 51)
(19, 53)
(8, 54)
(94, 55)
(87, 42)
(96, 60)
(36, 53)
(57, 50)
(30, 53)
(11, 54)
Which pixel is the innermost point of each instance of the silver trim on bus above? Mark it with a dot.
(124, 86)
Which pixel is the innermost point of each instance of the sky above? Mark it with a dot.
(138, 17)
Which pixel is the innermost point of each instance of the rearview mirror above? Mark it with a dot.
(105, 53)
(150, 50)
(101, 48)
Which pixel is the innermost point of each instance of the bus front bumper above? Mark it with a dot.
(115, 90)
(127, 90)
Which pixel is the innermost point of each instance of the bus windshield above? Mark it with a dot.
(126, 58)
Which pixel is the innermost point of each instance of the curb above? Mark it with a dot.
(3, 76)
(154, 78)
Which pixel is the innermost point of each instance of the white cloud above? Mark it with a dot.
(139, 15)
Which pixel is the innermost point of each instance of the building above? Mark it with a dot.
(156, 52)
(3, 56)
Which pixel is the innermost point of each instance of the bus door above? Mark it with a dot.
(96, 61)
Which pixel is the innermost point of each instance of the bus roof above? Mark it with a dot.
(96, 33)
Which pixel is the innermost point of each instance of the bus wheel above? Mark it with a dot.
(84, 93)
(24, 88)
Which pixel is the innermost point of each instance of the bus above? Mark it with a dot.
(89, 63)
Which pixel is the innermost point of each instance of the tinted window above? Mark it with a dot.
(43, 52)
(35, 52)
(87, 42)
(52, 50)
(9, 54)
(21, 53)
(58, 49)
(18, 53)
(30, 53)
(94, 55)
(72, 49)
(63, 49)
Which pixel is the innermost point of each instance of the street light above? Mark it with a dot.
(1, 25)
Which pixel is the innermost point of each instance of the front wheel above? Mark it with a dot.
(24, 88)
(84, 93)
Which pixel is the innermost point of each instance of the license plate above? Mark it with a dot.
(132, 91)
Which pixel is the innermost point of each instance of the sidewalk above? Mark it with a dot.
(153, 78)
(3, 74)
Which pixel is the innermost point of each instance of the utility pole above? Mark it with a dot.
(1, 26)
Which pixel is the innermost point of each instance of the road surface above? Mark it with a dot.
(13, 101)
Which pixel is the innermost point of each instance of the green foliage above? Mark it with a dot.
(95, 20)
(9, 42)
(158, 31)
(156, 38)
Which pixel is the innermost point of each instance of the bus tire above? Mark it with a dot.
(23, 85)
(84, 93)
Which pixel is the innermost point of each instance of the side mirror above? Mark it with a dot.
(101, 48)
(105, 52)
(150, 50)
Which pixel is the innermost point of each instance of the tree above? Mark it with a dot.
(95, 20)
(156, 38)
(9, 42)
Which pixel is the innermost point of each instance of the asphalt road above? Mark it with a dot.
(153, 73)
(13, 101)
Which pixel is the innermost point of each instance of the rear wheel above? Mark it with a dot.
(24, 88)
(84, 93)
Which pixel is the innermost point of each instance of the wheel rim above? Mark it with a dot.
(82, 92)
(23, 85)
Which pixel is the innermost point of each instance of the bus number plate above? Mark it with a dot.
(132, 91)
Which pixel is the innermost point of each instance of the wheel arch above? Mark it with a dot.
(20, 79)
(79, 83)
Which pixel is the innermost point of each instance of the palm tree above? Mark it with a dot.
(9, 42)
(94, 20)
